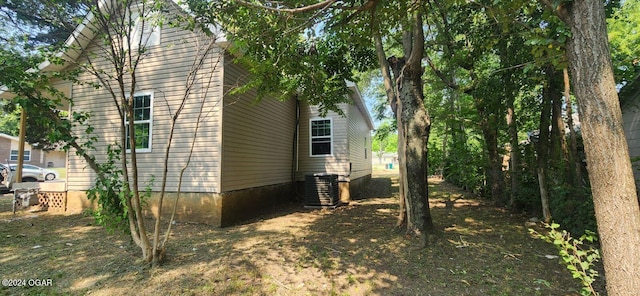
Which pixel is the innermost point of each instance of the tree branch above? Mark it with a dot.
(302, 9)
(369, 5)
(561, 10)
(417, 47)
(384, 67)
(441, 75)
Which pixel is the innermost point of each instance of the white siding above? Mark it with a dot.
(359, 144)
(162, 71)
(257, 136)
(338, 163)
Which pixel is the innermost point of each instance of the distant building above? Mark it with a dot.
(385, 158)
(9, 153)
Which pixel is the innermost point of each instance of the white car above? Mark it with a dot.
(32, 173)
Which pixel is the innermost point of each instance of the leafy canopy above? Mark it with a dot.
(303, 54)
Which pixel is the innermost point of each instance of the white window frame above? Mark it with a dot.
(311, 137)
(14, 156)
(150, 34)
(365, 148)
(149, 121)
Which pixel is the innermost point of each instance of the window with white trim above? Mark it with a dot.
(365, 147)
(321, 137)
(143, 122)
(145, 30)
(14, 155)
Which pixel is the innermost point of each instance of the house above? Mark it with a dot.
(246, 156)
(9, 153)
(386, 158)
(629, 97)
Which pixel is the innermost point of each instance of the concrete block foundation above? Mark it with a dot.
(217, 209)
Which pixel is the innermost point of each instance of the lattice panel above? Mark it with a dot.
(56, 201)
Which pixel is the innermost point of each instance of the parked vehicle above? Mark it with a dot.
(30, 173)
(29, 170)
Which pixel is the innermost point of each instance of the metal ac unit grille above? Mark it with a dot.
(321, 190)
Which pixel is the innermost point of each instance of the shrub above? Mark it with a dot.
(578, 260)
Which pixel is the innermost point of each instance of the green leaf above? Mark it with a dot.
(585, 265)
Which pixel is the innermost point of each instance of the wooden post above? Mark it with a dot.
(21, 140)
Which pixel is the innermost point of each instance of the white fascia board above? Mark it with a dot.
(357, 99)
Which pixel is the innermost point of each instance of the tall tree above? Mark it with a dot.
(413, 123)
(575, 160)
(311, 48)
(477, 60)
(33, 93)
(31, 23)
(113, 42)
(30, 31)
(616, 203)
(543, 148)
(624, 38)
(559, 149)
(9, 120)
(514, 153)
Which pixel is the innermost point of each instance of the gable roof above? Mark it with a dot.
(84, 33)
(81, 37)
(9, 137)
(71, 45)
(358, 101)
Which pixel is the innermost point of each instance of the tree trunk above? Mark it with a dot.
(417, 124)
(403, 183)
(612, 183)
(543, 145)
(514, 154)
(488, 122)
(496, 179)
(574, 158)
(414, 124)
(509, 90)
(558, 140)
(393, 102)
(445, 150)
(413, 127)
(144, 243)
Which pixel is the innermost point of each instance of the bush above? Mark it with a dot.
(111, 211)
(578, 260)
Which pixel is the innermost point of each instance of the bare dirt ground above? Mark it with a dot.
(352, 250)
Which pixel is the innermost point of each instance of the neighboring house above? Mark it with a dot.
(385, 158)
(9, 153)
(247, 156)
(630, 104)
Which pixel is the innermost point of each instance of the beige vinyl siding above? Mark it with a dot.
(65, 88)
(631, 119)
(163, 71)
(257, 138)
(631, 124)
(338, 163)
(359, 144)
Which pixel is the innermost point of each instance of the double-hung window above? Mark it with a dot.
(142, 121)
(321, 137)
(14, 155)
